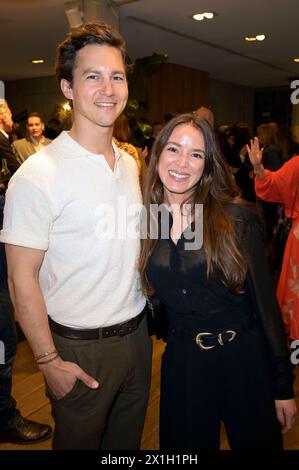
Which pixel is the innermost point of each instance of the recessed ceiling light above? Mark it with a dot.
(198, 17)
(208, 15)
(296, 59)
(203, 16)
(38, 61)
(258, 37)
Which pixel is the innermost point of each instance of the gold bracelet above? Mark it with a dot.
(45, 354)
(48, 360)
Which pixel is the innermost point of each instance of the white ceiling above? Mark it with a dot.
(32, 29)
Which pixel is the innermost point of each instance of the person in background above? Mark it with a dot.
(268, 135)
(13, 426)
(53, 129)
(205, 113)
(244, 175)
(282, 186)
(156, 128)
(15, 133)
(226, 139)
(34, 140)
(289, 146)
(226, 357)
(6, 125)
(74, 283)
(122, 137)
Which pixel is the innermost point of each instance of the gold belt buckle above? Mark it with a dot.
(233, 335)
(198, 340)
(199, 336)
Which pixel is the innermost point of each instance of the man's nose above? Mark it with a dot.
(107, 86)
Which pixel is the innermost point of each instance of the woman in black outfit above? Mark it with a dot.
(226, 357)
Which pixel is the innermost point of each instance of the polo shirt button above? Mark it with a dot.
(184, 291)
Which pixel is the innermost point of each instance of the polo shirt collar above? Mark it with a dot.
(70, 148)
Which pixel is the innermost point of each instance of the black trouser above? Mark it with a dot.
(231, 383)
(8, 412)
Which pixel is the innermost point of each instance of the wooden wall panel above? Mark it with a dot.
(176, 89)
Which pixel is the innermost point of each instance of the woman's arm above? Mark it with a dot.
(268, 313)
(278, 186)
(255, 154)
(265, 304)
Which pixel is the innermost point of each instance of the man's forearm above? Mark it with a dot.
(31, 313)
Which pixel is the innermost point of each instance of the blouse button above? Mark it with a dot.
(184, 291)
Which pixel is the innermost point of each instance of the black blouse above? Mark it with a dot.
(180, 281)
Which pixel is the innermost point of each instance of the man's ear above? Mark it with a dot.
(66, 89)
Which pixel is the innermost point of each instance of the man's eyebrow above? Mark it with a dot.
(87, 71)
(98, 72)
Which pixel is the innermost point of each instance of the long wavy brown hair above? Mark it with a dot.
(217, 191)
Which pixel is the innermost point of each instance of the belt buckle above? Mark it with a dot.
(198, 340)
(220, 339)
(199, 337)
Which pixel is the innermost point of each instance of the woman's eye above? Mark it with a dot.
(172, 149)
(198, 155)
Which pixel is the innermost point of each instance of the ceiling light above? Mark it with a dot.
(37, 61)
(259, 37)
(296, 59)
(208, 15)
(198, 17)
(203, 16)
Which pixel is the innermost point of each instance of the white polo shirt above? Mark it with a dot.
(64, 200)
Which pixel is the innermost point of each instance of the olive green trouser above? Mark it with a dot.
(111, 417)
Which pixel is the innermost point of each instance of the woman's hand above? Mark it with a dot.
(286, 411)
(254, 152)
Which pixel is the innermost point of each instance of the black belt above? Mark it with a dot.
(208, 340)
(121, 329)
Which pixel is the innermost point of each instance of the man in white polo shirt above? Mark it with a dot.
(74, 283)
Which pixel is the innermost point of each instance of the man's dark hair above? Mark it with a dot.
(90, 33)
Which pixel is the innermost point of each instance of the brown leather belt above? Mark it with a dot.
(121, 329)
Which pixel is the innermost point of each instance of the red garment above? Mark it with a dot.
(281, 186)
